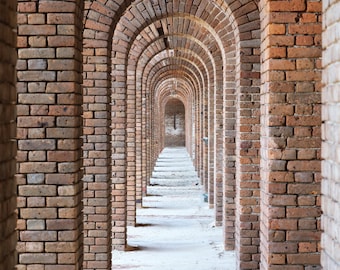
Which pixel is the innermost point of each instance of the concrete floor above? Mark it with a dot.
(175, 228)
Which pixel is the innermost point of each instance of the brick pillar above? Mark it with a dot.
(211, 147)
(205, 148)
(8, 59)
(131, 147)
(229, 164)
(218, 154)
(247, 161)
(198, 138)
(49, 130)
(290, 134)
(140, 155)
(97, 154)
(331, 163)
(119, 155)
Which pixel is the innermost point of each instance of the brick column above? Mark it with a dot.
(211, 146)
(218, 154)
(49, 130)
(8, 59)
(331, 163)
(229, 182)
(119, 174)
(97, 155)
(290, 134)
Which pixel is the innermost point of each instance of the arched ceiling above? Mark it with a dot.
(183, 40)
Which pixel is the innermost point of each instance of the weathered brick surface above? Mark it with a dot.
(49, 130)
(330, 165)
(8, 59)
(290, 134)
(131, 54)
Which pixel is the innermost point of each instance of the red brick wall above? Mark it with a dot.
(8, 58)
(330, 165)
(290, 134)
(49, 128)
(126, 72)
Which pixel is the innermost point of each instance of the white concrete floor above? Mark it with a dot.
(175, 228)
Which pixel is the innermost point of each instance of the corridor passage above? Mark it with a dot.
(175, 228)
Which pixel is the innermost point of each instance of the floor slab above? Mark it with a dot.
(175, 229)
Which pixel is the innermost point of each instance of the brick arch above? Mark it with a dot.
(183, 93)
(211, 182)
(134, 68)
(166, 73)
(159, 68)
(203, 83)
(138, 68)
(243, 34)
(290, 51)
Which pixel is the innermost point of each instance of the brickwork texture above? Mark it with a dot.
(330, 200)
(8, 59)
(89, 89)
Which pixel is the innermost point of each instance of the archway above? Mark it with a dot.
(174, 123)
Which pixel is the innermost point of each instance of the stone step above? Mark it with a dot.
(172, 174)
(174, 168)
(174, 182)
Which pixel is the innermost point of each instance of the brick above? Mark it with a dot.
(37, 98)
(40, 53)
(62, 133)
(37, 167)
(54, 7)
(37, 42)
(35, 122)
(60, 247)
(303, 259)
(304, 52)
(27, 7)
(37, 258)
(60, 202)
(304, 165)
(61, 224)
(283, 200)
(288, 224)
(64, 41)
(34, 247)
(36, 30)
(62, 156)
(38, 236)
(37, 145)
(303, 235)
(37, 178)
(36, 19)
(303, 189)
(35, 225)
(303, 212)
(37, 76)
(282, 247)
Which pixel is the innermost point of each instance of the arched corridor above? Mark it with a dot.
(85, 86)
